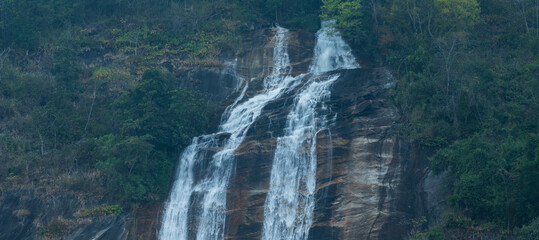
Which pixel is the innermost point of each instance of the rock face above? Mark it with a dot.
(26, 215)
(362, 191)
(370, 182)
(358, 182)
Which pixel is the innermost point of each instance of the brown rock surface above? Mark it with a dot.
(360, 165)
(370, 181)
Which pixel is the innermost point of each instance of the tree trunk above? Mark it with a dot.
(92, 106)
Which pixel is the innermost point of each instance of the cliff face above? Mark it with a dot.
(364, 172)
(30, 214)
(362, 185)
(41, 208)
(370, 182)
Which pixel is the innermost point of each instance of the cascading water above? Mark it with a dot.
(331, 52)
(198, 196)
(288, 211)
(211, 183)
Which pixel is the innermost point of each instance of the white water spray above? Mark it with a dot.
(331, 52)
(289, 207)
(206, 214)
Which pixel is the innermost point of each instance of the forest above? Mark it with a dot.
(468, 83)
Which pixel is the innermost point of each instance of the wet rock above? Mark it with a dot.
(368, 184)
(106, 228)
(143, 224)
(25, 215)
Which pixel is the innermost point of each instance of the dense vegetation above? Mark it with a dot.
(469, 79)
(85, 101)
(89, 95)
(111, 129)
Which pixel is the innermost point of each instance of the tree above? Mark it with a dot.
(157, 120)
(348, 15)
(454, 16)
(3, 55)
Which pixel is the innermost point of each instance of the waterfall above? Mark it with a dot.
(331, 52)
(231, 68)
(197, 202)
(198, 199)
(288, 211)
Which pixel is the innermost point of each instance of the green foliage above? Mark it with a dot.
(416, 224)
(302, 14)
(17, 25)
(55, 228)
(157, 122)
(77, 120)
(467, 69)
(61, 111)
(468, 82)
(454, 15)
(348, 15)
(530, 231)
(120, 159)
(66, 67)
(493, 182)
(419, 236)
(157, 107)
(456, 226)
(102, 210)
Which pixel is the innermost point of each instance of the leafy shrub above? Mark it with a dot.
(530, 231)
(56, 227)
(157, 120)
(102, 210)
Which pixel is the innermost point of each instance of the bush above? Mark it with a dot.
(102, 210)
(530, 231)
(56, 227)
(157, 120)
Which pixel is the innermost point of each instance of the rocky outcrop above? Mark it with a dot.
(27, 215)
(370, 181)
(104, 228)
(359, 182)
(362, 188)
(256, 61)
(143, 223)
(363, 173)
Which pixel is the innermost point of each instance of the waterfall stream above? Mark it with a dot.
(197, 202)
(209, 188)
(288, 211)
